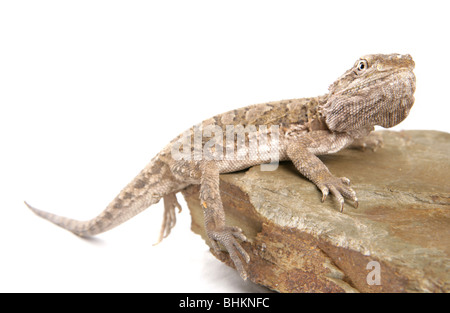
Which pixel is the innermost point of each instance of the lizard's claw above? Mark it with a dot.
(325, 192)
(339, 188)
(227, 237)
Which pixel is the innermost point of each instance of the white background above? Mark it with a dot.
(90, 91)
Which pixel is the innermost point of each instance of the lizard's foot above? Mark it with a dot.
(227, 237)
(373, 141)
(339, 187)
(169, 218)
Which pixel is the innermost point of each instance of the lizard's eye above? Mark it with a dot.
(362, 66)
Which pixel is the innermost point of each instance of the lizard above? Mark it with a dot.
(377, 90)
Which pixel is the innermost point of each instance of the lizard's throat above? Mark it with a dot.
(385, 103)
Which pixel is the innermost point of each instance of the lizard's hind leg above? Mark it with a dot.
(217, 231)
(169, 218)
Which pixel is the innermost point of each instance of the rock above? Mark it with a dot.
(299, 244)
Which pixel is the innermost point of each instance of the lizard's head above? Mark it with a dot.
(377, 90)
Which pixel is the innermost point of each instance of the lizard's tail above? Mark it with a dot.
(81, 228)
(153, 183)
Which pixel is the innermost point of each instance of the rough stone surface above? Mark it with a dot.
(298, 244)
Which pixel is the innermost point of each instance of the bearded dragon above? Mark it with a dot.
(377, 90)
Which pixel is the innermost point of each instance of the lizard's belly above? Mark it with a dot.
(252, 159)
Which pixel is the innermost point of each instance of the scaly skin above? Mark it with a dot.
(377, 90)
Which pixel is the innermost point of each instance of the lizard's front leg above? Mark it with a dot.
(214, 215)
(302, 152)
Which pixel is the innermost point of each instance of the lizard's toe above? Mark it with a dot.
(340, 189)
(169, 217)
(345, 180)
(338, 197)
(237, 233)
(325, 192)
(227, 238)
